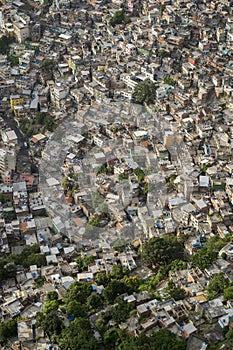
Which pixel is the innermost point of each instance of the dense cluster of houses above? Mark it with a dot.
(138, 172)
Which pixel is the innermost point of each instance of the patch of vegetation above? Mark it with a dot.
(174, 292)
(94, 221)
(147, 187)
(119, 17)
(43, 122)
(40, 281)
(144, 92)
(83, 262)
(163, 53)
(98, 203)
(170, 182)
(217, 286)
(168, 80)
(160, 251)
(70, 184)
(5, 42)
(104, 169)
(14, 60)
(47, 64)
(206, 256)
(123, 176)
(204, 168)
(140, 174)
(7, 330)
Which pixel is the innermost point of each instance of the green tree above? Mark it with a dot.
(147, 187)
(166, 340)
(34, 259)
(94, 221)
(65, 184)
(32, 249)
(163, 53)
(2, 198)
(83, 262)
(52, 295)
(217, 285)
(47, 64)
(121, 311)
(76, 308)
(123, 176)
(75, 187)
(177, 265)
(206, 256)
(224, 255)
(228, 293)
(110, 338)
(140, 174)
(118, 272)
(102, 169)
(168, 80)
(78, 336)
(78, 291)
(8, 329)
(3, 274)
(102, 321)
(175, 293)
(98, 202)
(162, 250)
(119, 17)
(27, 251)
(171, 179)
(14, 60)
(10, 270)
(5, 44)
(102, 278)
(151, 283)
(229, 335)
(144, 92)
(161, 340)
(114, 289)
(132, 283)
(40, 117)
(204, 168)
(51, 324)
(50, 306)
(9, 215)
(94, 302)
(40, 281)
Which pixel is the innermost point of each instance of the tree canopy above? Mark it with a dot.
(51, 323)
(7, 329)
(43, 122)
(47, 64)
(174, 292)
(29, 256)
(217, 285)
(228, 293)
(78, 335)
(78, 291)
(144, 92)
(164, 339)
(5, 42)
(140, 174)
(83, 262)
(119, 17)
(206, 256)
(162, 250)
